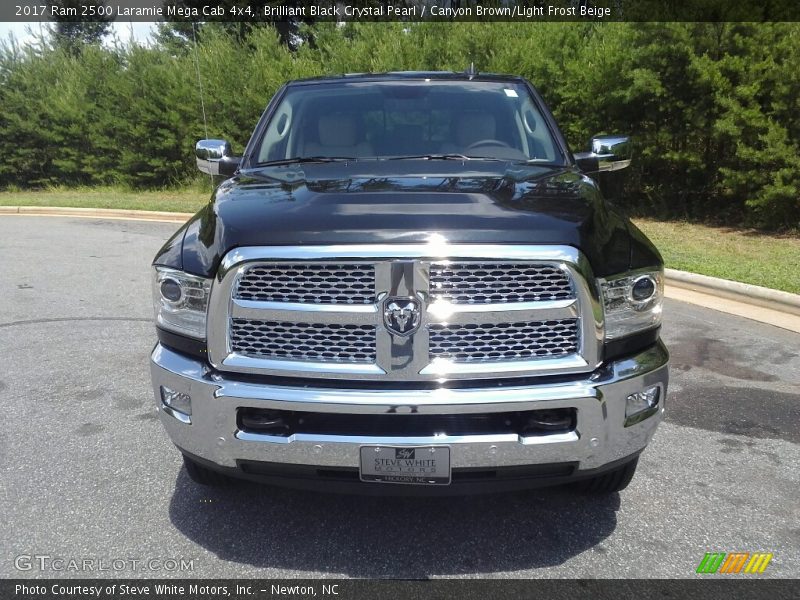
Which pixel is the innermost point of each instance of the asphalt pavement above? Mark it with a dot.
(88, 474)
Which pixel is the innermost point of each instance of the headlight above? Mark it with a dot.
(180, 301)
(632, 302)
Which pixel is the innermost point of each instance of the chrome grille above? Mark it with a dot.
(303, 341)
(308, 283)
(504, 341)
(498, 282)
(484, 312)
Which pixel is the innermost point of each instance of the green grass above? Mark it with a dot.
(188, 200)
(741, 255)
(748, 256)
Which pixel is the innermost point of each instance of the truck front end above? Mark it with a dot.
(403, 326)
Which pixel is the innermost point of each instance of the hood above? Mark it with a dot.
(368, 202)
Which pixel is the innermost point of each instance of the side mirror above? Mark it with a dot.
(609, 153)
(215, 157)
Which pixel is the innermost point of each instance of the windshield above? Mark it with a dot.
(404, 119)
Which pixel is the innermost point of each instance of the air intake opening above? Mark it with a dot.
(460, 475)
(523, 423)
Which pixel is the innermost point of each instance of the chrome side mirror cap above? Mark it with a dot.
(609, 153)
(215, 157)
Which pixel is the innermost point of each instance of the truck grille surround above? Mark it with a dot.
(405, 312)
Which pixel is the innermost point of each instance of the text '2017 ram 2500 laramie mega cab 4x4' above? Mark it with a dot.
(409, 278)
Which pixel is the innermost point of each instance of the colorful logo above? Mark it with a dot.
(734, 562)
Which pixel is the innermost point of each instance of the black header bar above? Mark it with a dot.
(255, 11)
(733, 588)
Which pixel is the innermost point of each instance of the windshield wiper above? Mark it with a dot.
(431, 157)
(539, 162)
(455, 156)
(305, 159)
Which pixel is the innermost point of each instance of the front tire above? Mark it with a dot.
(203, 475)
(608, 483)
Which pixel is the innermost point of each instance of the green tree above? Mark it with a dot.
(713, 108)
(72, 29)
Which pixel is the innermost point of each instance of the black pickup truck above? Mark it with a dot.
(407, 284)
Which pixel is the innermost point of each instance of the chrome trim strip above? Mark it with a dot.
(332, 313)
(303, 307)
(446, 312)
(442, 308)
(424, 401)
(372, 402)
(552, 438)
(531, 440)
(238, 361)
(437, 248)
(443, 367)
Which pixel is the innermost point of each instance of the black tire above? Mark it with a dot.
(203, 475)
(608, 483)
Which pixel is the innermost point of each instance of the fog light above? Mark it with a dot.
(176, 400)
(642, 405)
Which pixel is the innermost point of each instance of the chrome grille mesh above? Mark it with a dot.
(308, 283)
(504, 341)
(498, 282)
(303, 341)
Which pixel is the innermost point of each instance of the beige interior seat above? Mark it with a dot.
(471, 127)
(338, 135)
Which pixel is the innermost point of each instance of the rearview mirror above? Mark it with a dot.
(609, 153)
(215, 157)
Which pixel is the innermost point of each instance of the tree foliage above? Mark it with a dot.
(71, 31)
(713, 108)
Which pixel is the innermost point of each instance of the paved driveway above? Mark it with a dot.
(88, 473)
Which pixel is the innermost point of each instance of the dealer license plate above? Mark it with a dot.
(418, 465)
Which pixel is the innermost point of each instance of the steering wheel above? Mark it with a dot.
(479, 143)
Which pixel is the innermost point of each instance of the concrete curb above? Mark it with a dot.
(733, 290)
(103, 213)
(743, 293)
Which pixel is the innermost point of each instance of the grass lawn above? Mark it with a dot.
(748, 256)
(189, 200)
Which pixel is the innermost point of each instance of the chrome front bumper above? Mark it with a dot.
(599, 438)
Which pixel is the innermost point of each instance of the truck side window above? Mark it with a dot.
(538, 140)
(277, 136)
